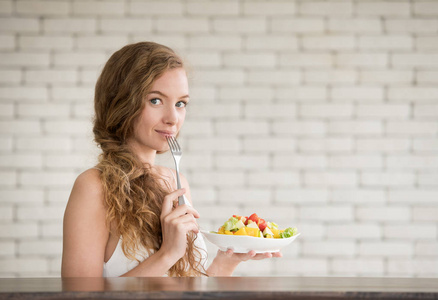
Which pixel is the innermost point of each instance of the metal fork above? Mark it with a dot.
(176, 151)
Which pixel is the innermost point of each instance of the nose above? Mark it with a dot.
(170, 116)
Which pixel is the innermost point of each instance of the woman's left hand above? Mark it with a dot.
(251, 255)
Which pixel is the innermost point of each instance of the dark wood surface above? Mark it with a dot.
(220, 287)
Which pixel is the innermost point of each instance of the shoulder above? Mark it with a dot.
(87, 189)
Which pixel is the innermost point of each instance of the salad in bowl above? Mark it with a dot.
(243, 234)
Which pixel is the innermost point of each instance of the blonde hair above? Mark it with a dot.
(133, 193)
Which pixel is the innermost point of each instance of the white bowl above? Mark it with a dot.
(244, 244)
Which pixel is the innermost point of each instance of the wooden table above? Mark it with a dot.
(220, 287)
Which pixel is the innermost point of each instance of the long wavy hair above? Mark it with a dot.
(133, 193)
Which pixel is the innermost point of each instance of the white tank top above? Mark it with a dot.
(119, 264)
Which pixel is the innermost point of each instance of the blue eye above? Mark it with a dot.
(155, 101)
(181, 104)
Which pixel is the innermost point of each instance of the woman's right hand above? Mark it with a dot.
(176, 224)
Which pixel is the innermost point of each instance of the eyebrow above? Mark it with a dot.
(164, 95)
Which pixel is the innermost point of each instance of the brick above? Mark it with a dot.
(10, 77)
(51, 76)
(6, 7)
(306, 60)
(174, 40)
(24, 265)
(58, 196)
(259, 196)
(354, 231)
(418, 267)
(24, 59)
(20, 161)
(383, 145)
(253, 61)
(43, 8)
(386, 42)
(356, 25)
(300, 196)
(326, 213)
(368, 60)
(330, 248)
(315, 230)
(327, 145)
(24, 93)
(386, 111)
(330, 179)
(52, 230)
(355, 162)
(360, 196)
(302, 266)
(410, 232)
(383, 213)
(240, 128)
(274, 178)
(299, 128)
(358, 266)
(215, 42)
(303, 161)
(426, 43)
(411, 25)
(196, 162)
(383, 8)
(330, 76)
(7, 248)
(297, 25)
(6, 144)
(413, 94)
(44, 143)
(426, 111)
(391, 179)
(19, 230)
(212, 8)
(83, 111)
(425, 145)
(6, 213)
(274, 77)
(242, 162)
(150, 8)
(413, 196)
(8, 178)
(66, 161)
(47, 179)
(21, 25)
(355, 127)
(125, 25)
(427, 77)
(422, 128)
(358, 93)
(426, 8)
(425, 162)
(217, 77)
(41, 248)
(426, 248)
(240, 25)
(269, 111)
(326, 110)
(251, 94)
(98, 8)
(7, 110)
(72, 94)
(302, 93)
(19, 127)
(7, 42)
(332, 8)
(204, 59)
(182, 25)
(427, 60)
(51, 111)
(268, 144)
(20, 196)
(425, 213)
(219, 145)
(40, 213)
(100, 42)
(218, 178)
(197, 128)
(428, 179)
(84, 59)
(70, 25)
(272, 42)
(72, 127)
(385, 248)
(329, 42)
(386, 76)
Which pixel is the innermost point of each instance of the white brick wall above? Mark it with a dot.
(319, 114)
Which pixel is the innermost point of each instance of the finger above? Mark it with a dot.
(252, 253)
(168, 201)
(187, 209)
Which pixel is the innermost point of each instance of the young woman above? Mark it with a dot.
(122, 218)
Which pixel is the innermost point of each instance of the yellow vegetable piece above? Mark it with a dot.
(241, 231)
(228, 232)
(252, 231)
(276, 233)
(268, 236)
(221, 230)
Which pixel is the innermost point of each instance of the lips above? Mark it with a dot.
(165, 133)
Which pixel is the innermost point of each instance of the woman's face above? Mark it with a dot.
(163, 113)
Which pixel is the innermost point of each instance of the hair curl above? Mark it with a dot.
(133, 193)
